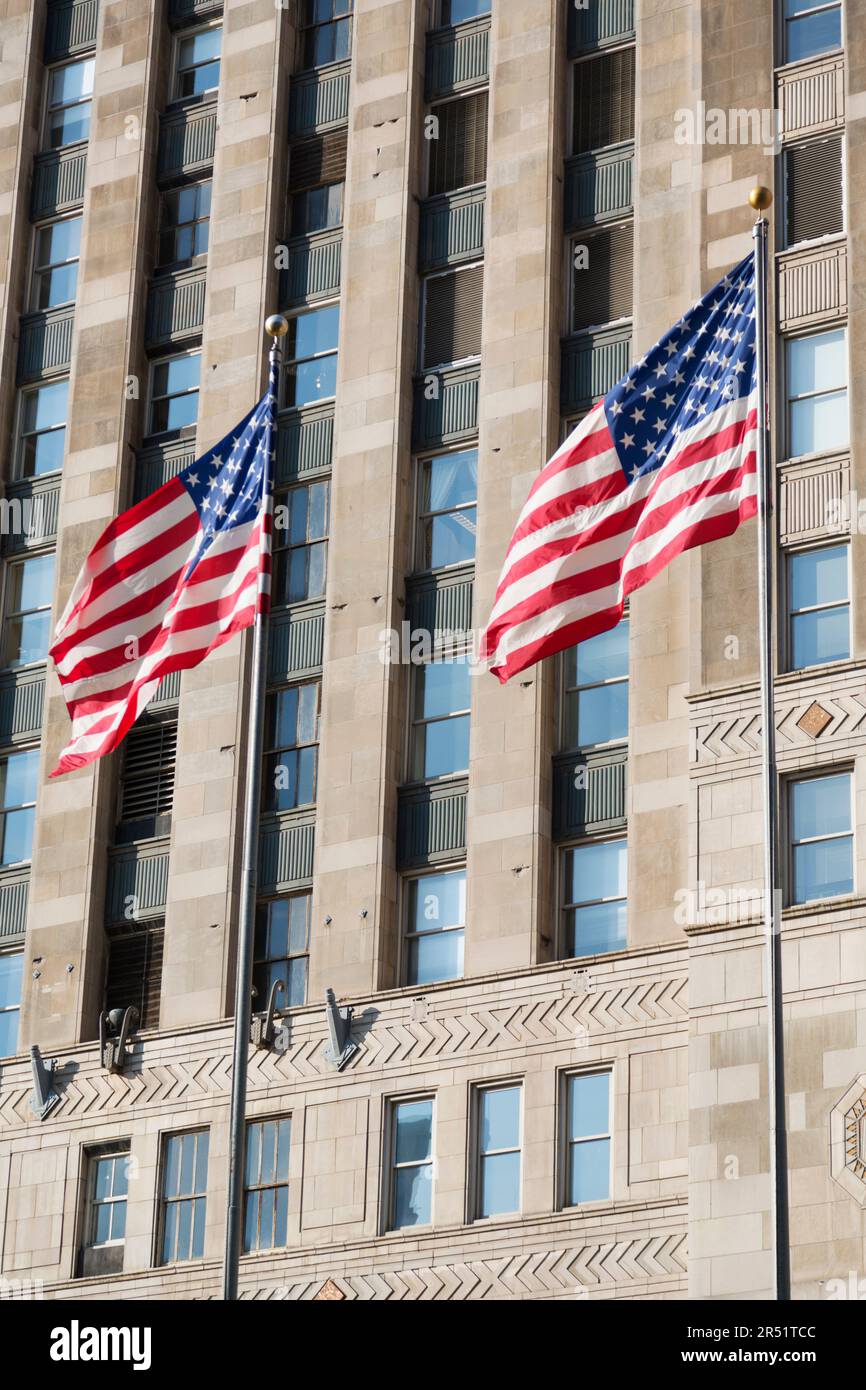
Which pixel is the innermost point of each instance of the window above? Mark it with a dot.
(184, 1196)
(11, 978)
(813, 190)
(291, 754)
(327, 32)
(266, 1182)
(817, 393)
(311, 356)
(55, 264)
(458, 153)
(587, 1119)
(447, 492)
(603, 278)
(435, 919)
(819, 616)
(595, 898)
(108, 1188)
(320, 160)
(440, 725)
(27, 610)
(603, 101)
(595, 698)
(822, 843)
(452, 316)
(174, 393)
(411, 1164)
(70, 89)
(317, 209)
(18, 775)
(282, 949)
(42, 429)
(300, 543)
(197, 68)
(134, 972)
(498, 1181)
(811, 28)
(146, 793)
(184, 223)
(456, 11)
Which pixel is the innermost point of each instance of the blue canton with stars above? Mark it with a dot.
(704, 362)
(230, 481)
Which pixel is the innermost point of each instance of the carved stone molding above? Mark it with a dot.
(848, 1141)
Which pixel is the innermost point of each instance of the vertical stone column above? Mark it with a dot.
(22, 39)
(248, 193)
(73, 821)
(508, 902)
(362, 728)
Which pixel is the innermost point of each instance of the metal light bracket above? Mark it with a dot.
(44, 1097)
(264, 1031)
(340, 1047)
(114, 1051)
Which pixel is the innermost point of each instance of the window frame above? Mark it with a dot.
(282, 1003)
(438, 367)
(282, 553)
(784, 20)
(441, 23)
(210, 94)
(300, 311)
(784, 245)
(176, 431)
(268, 752)
(21, 435)
(566, 1145)
(306, 27)
(5, 757)
(481, 88)
(788, 399)
(590, 55)
(565, 691)
(198, 258)
(45, 146)
(474, 1187)
(585, 236)
(789, 782)
(427, 456)
(788, 612)
(390, 1165)
(164, 1200)
(121, 1149)
(263, 1187)
(18, 562)
(566, 906)
(407, 937)
(36, 270)
(456, 655)
(14, 1008)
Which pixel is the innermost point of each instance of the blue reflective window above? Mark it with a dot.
(11, 976)
(456, 11)
(819, 610)
(311, 356)
(818, 393)
(198, 63)
(595, 701)
(42, 429)
(109, 1186)
(70, 90)
(436, 913)
(184, 1194)
(174, 392)
(282, 944)
(811, 28)
(498, 1150)
(588, 1138)
(448, 487)
(595, 898)
(18, 777)
(440, 731)
(822, 842)
(412, 1164)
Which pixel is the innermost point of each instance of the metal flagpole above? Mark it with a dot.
(760, 198)
(276, 326)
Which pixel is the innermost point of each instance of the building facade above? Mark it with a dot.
(541, 902)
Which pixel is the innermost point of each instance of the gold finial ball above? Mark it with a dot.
(760, 198)
(276, 325)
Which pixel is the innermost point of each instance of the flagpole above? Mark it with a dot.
(276, 326)
(760, 199)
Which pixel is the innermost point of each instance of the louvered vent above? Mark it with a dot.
(604, 290)
(603, 101)
(458, 156)
(452, 316)
(135, 972)
(313, 162)
(147, 783)
(813, 190)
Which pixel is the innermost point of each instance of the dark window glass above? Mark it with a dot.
(184, 223)
(184, 1196)
(198, 63)
(174, 393)
(458, 153)
(603, 101)
(317, 209)
(327, 34)
(266, 1182)
(291, 737)
(281, 950)
(55, 264)
(300, 543)
(42, 429)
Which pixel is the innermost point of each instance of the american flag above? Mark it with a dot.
(167, 582)
(665, 462)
